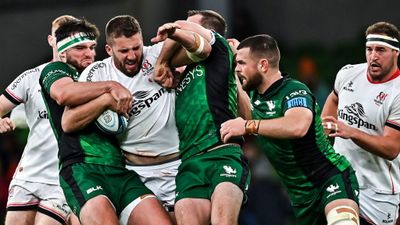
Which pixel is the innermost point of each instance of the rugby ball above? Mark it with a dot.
(111, 122)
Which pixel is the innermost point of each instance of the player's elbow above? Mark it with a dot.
(59, 97)
(393, 155)
(67, 126)
(299, 130)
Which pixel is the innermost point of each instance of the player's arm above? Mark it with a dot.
(330, 106)
(197, 46)
(67, 92)
(386, 146)
(78, 117)
(181, 46)
(193, 38)
(6, 125)
(294, 124)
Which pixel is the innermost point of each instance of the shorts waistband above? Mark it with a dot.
(138, 160)
(218, 147)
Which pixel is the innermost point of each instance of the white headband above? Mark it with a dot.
(379, 39)
(74, 40)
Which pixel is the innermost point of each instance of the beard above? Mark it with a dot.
(379, 73)
(250, 84)
(79, 66)
(121, 65)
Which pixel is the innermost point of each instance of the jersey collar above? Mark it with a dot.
(276, 86)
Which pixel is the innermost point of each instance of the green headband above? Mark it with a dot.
(73, 40)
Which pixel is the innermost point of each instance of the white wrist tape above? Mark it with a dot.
(194, 55)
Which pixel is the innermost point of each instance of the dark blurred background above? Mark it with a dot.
(316, 39)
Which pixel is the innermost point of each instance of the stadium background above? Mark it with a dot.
(316, 39)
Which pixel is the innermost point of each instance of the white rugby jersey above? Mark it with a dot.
(151, 127)
(39, 161)
(369, 107)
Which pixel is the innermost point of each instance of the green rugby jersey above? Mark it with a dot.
(206, 97)
(89, 145)
(303, 164)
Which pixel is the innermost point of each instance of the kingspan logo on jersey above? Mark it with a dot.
(42, 114)
(354, 114)
(143, 100)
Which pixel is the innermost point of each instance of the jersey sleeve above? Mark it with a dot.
(297, 95)
(393, 120)
(93, 72)
(155, 50)
(340, 78)
(53, 72)
(17, 91)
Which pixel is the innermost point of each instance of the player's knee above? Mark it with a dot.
(342, 215)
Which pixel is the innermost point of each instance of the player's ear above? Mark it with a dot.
(263, 65)
(108, 50)
(51, 40)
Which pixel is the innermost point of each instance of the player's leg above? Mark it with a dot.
(22, 204)
(53, 208)
(342, 194)
(230, 179)
(225, 204)
(194, 211)
(342, 212)
(146, 206)
(84, 186)
(160, 179)
(47, 220)
(73, 219)
(98, 211)
(23, 217)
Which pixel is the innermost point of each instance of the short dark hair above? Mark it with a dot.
(211, 20)
(385, 28)
(71, 27)
(263, 46)
(123, 25)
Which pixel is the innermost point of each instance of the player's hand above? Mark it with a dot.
(164, 76)
(336, 128)
(165, 31)
(123, 97)
(6, 125)
(233, 43)
(231, 128)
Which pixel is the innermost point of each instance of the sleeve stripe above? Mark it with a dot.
(393, 125)
(12, 97)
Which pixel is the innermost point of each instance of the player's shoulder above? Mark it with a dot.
(152, 50)
(351, 68)
(293, 84)
(55, 70)
(350, 71)
(95, 69)
(56, 65)
(33, 72)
